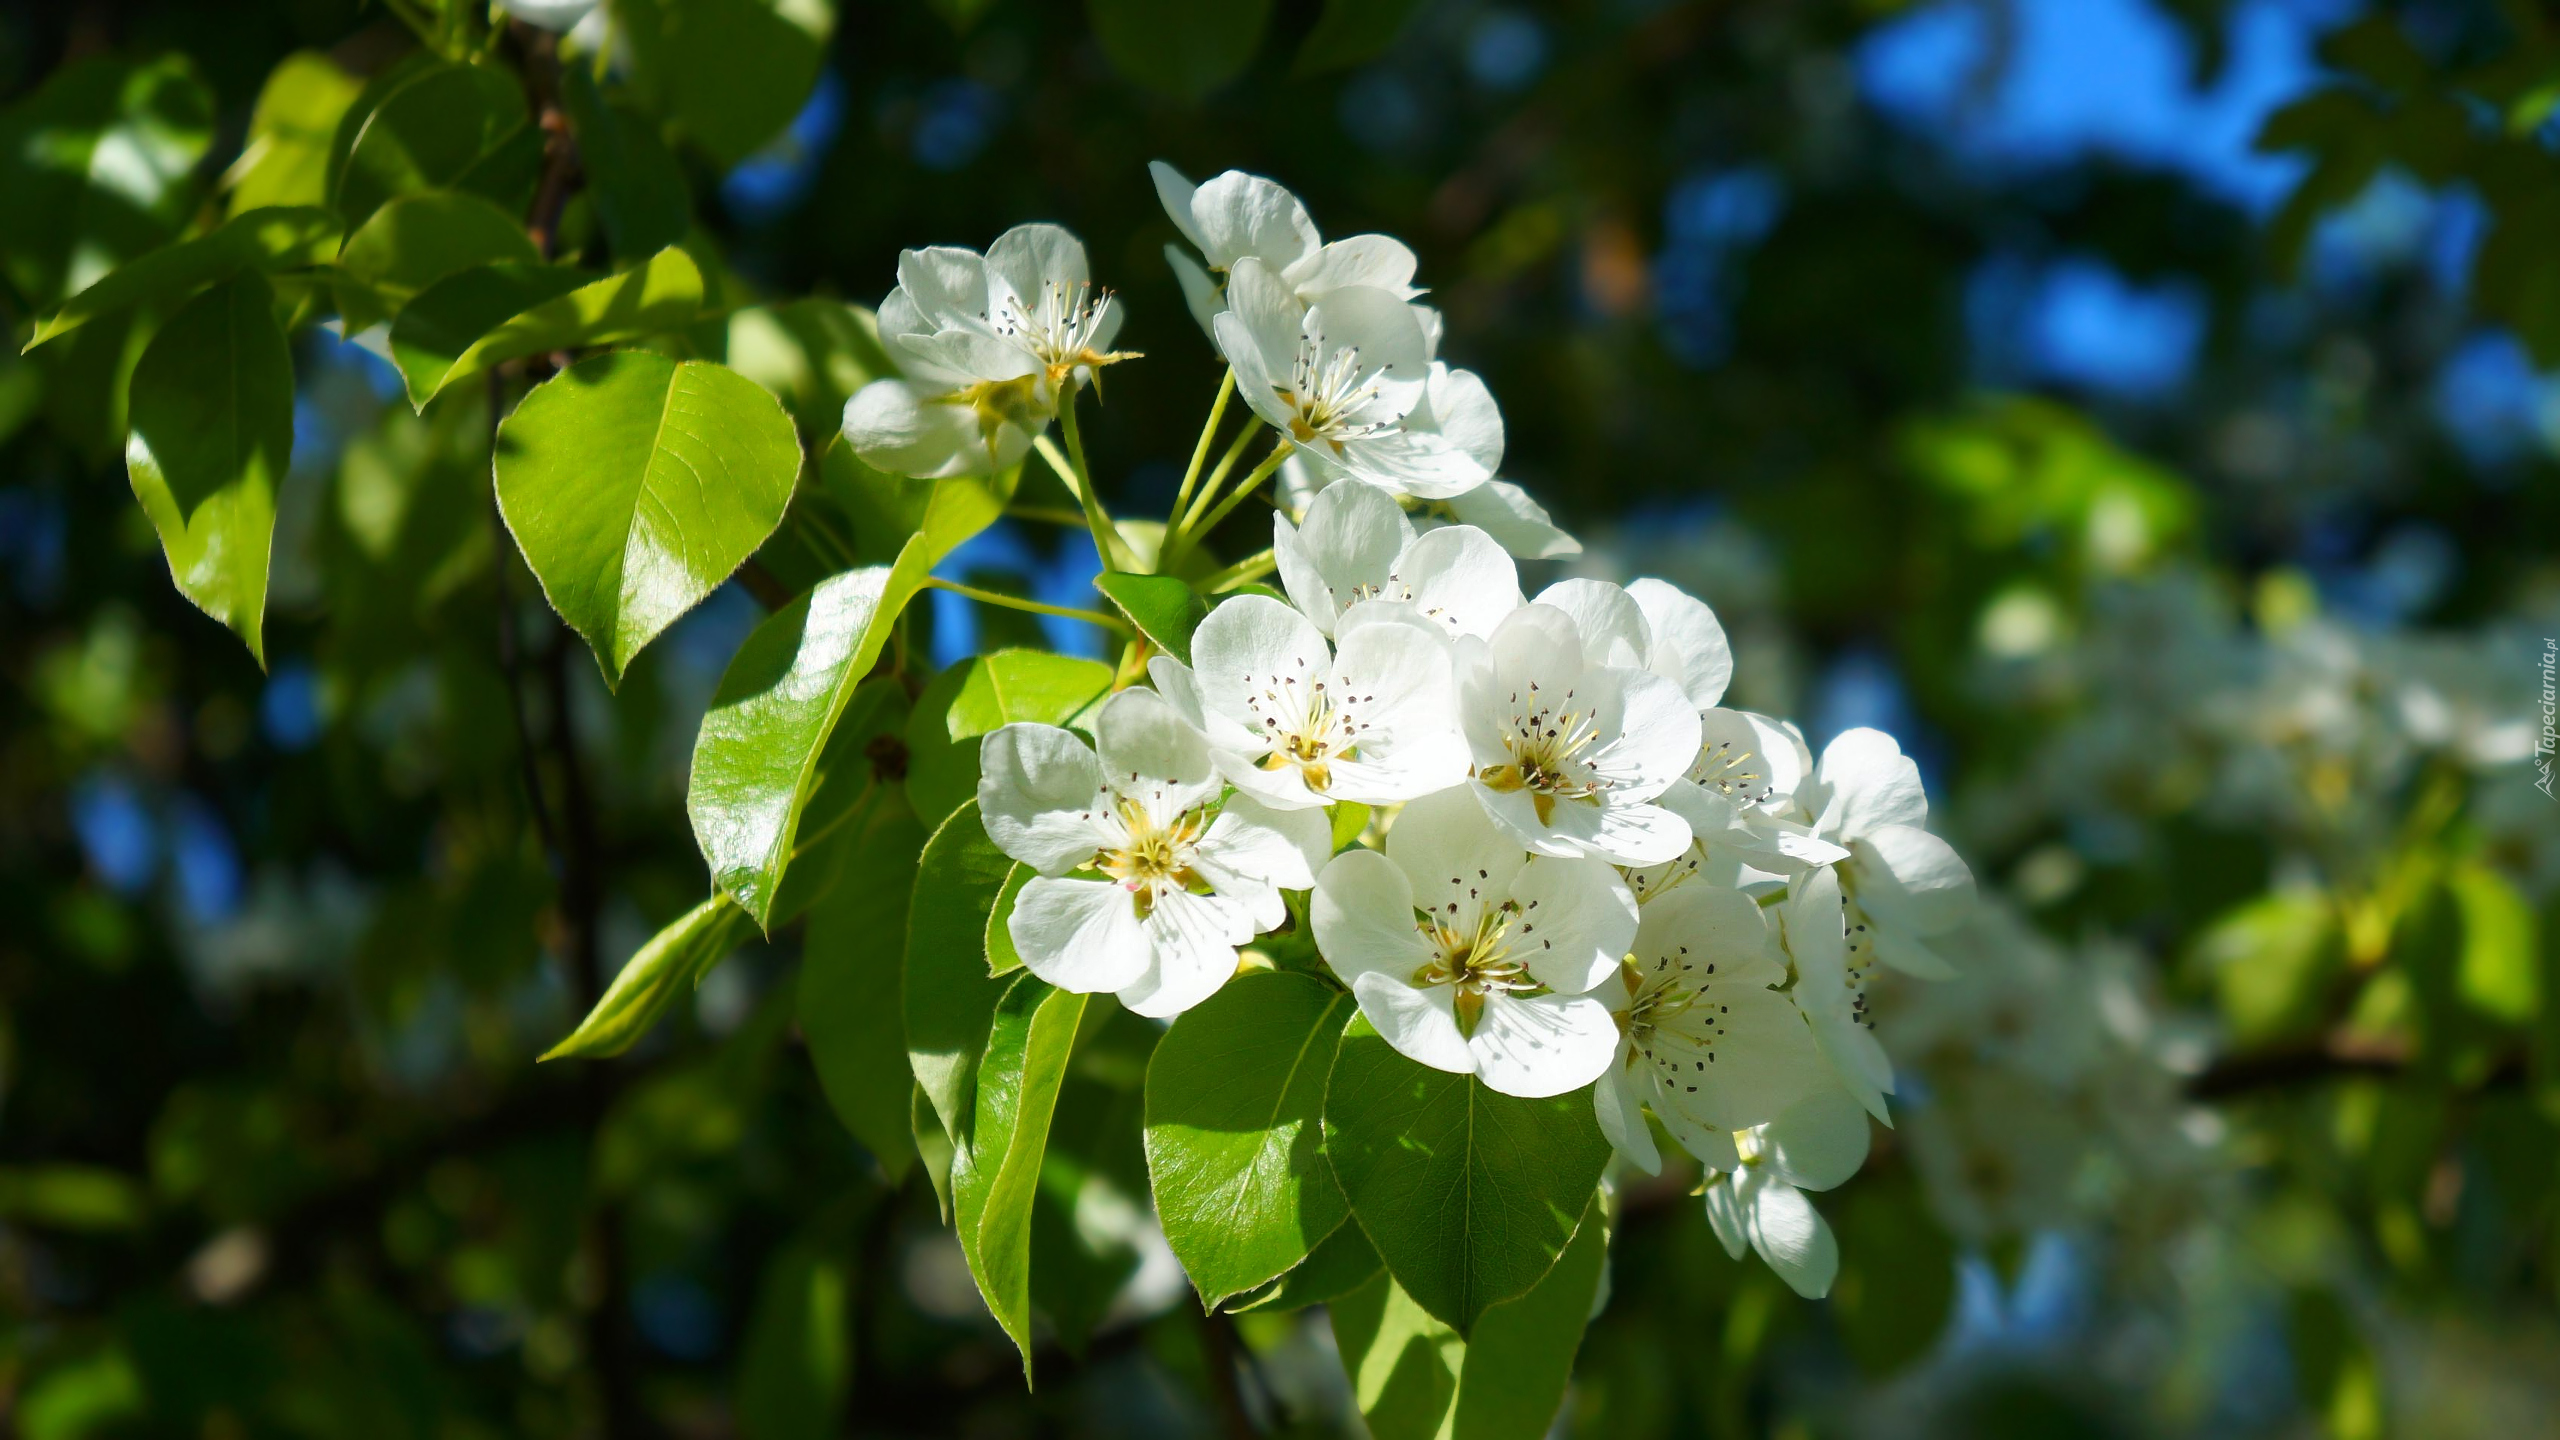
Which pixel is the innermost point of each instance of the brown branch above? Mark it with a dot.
(2331, 1057)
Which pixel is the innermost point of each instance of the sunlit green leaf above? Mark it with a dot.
(438, 126)
(997, 1174)
(212, 417)
(1434, 1162)
(852, 986)
(651, 299)
(2501, 968)
(949, 995)
(417, 240)
(638, 189)
(254, 240)
(656, 975)
(1235, 1102)
(1164, 609)
(450, 315)
(732, 73)
(813, 353)
(286, 159)
(634, 485)
(982, 694)
(1341, 1263)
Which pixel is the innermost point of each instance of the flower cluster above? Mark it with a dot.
(1580, 868)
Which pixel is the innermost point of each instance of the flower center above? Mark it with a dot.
(1153, 855)
(1553, 748)
(1327, 390)
(1307, 725)
(1733, 770)
(1060, 327)
(1477, 962)
(1670, 1022)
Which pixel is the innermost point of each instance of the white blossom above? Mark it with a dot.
(1570, 753)
(1296, 722)
(1470, 955)
(1235, 216)
(1706, 1042)
(1502, 510)
(1832, 961)
(1354, 544)
(1349, 381)
(1904, 884)
(988, 347)
(1817, 1143)
(1146, 884)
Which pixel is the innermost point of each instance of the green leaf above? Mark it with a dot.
(1353, 32)
(1520, 1355)
(856, 774)
(253, 240)
(1401, 1361)
(634, 485)
(996, 1176)
(1343, 1262)
(794, 1370)
(286, 159)
(84, 1198)
(2500, 972)
(1164, 609)
(755, 762)
(212, 417)
(1414, 1378)
(1177, 48)
(949, 996)
(1468, 1194)
(96, 166)
(733, 73)
(1348, 818)
(451, 315)
(638, 189)
(670, 965)
(852, 989)
(1002, 958)
(438, 126)
(1235, 1126)
(417, 240)
(652, 299)
(983, 694)
(813, 353)
(2271, 961)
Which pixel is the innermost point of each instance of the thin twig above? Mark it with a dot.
(1035, 607)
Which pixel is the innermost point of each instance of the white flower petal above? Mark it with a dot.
(894, 426)
(1259, 661)
(1576, 921)
(1818, 1142)
(1079, 935)
(1657, 731)
(1516, 522)
(1539, 1045)
(1191, 947)
(1865, 781)
(1909, 955)
(1200, 290)
(1421, 1024)
(1253, 852)
(1724, 1216)
(1456, 862)
(1461, 410)
(1236, 215)
(1174, 192)
(1362, 911)
(947, 284)
(1347, 544)
(1689, 645)
(1616, 1104)
(1611, 624)
(1794, 1239)
(1029, 259)
(1911, 879)
(1038, 787)
(1149, 755)
(1379, 261)
(1461, 577)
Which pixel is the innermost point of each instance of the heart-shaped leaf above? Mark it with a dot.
(417, 240)
(1164, 609)
(276, 239)
(635, 484)
(1467, 1193)
(212, 418)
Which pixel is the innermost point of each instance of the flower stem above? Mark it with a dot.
(1096, 519)
(1217, 477)
(1200, 454)
(1264, 471)
(1252, 567)
(1036, 607)
(1046, 514)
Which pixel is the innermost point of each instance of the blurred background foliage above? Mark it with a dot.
(2142, 407)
